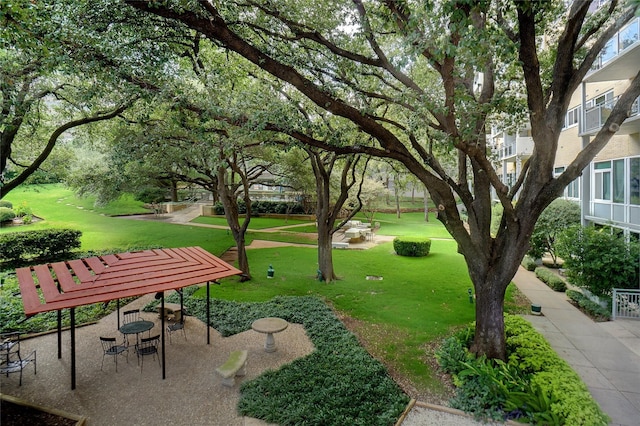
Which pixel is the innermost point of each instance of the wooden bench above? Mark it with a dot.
(234, 366)
(339, 245)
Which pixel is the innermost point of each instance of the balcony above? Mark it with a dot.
(595, 117)
(620, 57)
(516, 147)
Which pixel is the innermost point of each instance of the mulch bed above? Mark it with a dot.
(20, 415)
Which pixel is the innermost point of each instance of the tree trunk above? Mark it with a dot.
(426, 206)
(325, 254)
(231, 212)
(490, 339)
(243, 261)
(173, 187)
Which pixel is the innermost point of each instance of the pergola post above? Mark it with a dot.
(208, 314)
(72, 313)
(162, 331)
(59, 333)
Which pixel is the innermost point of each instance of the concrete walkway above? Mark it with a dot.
(606, 355)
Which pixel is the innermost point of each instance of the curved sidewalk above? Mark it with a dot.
(606, 355)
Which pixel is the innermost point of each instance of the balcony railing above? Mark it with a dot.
(595, 117)
(623, 40)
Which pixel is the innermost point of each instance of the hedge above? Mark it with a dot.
(264, 207)
(549, 278)
(7, 204)
(7, 214)
(412, 246)
(534, 384)
(587, 305)
(38, 244)
(529, 263)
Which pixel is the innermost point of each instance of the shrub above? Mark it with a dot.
(599, 260)
(412, 246)
(23, 209)
(6, 214)
(535, 383)
(7, 204)
(151, 195)
(218, 208)
(39, 244)
(549, 278)
(591, 308)
(529, 263)
(263, 207)
(557, 217)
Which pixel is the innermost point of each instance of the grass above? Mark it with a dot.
(255, 223)
(418, 301)
(60, 208)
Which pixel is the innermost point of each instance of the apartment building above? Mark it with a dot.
(609, 189)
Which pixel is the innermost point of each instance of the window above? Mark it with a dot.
(618, 181)
(634, 181)
(602, 181)
(572, 117)
(573, 189)
(600, 100)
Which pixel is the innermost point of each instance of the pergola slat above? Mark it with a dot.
(28, 289)
(64, 276)
(46, 282)
(95, 264)
(81, 270)
(133, 274)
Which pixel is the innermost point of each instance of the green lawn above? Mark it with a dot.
(417, 300)
(59, 208)
(255, 223)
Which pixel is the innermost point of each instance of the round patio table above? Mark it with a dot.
(269, 326)
(136, 327)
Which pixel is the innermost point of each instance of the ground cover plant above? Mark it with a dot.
(588, 306)
(338, 384)
(535, 385)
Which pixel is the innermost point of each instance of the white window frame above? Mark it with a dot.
(571, 191)
(572, 117)
(600, 100)
(600, 175)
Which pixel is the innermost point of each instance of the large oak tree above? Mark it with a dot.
(409, 73)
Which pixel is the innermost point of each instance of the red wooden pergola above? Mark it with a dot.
(66, 285)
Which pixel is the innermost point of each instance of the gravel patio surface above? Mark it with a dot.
(191, 393)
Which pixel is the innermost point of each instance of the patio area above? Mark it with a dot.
(192, 392)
